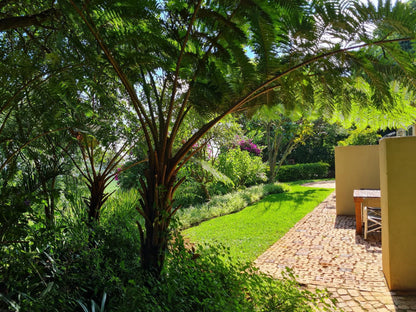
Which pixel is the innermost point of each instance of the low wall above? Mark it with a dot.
(356, 167)
(398, 209)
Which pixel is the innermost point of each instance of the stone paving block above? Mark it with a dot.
(352, 303)
(385, 299)
(345, 298)
(353, 292)
(342, 291)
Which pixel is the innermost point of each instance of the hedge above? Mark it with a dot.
(317, 170)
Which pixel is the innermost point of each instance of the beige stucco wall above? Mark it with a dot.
(356, 167)
(398, 207)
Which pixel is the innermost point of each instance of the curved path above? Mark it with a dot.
(324, 251)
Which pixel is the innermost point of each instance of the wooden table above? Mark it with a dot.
(359, 197)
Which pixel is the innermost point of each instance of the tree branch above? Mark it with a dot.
(201, 63)
(30, 20)
(181, 153)
(26, 144)
(137, 104)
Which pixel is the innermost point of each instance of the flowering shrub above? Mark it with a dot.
(116, 177)
(243, 168)
(249, 146)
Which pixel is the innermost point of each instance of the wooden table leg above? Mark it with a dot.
(358, 222)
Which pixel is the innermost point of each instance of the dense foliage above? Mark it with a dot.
(71, 266)
(361, 137)
(241, 167)
(320, 147)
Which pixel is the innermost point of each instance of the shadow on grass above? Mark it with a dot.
(297, 197)
(296, 200)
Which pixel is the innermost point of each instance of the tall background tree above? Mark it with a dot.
(283, 130)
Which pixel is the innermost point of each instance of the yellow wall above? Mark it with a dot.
(356, 167)
(398, 208)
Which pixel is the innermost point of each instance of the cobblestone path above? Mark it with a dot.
(324, 251)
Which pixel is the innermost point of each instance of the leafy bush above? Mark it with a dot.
(56, 268)
(242, 168)
(15, 208)
(321, 145)
(228, 203)
(189, 193)
(204, 280)
(317, 170)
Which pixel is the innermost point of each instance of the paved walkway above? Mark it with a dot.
(324, 251)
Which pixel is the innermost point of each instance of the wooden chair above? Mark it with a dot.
(372, 220)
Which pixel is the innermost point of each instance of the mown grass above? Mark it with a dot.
(226, 204)
(250, 232)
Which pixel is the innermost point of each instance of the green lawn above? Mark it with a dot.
(251, 231)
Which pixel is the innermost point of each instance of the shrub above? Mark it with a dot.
(189, 193)
(56, 268)
(242, 168)
(320, 146)
(317, 170)
(249, 146)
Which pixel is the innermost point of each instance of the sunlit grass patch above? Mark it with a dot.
(250, 232)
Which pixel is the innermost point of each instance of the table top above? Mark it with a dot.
(367, 193)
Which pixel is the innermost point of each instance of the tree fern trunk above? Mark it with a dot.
(156, 208)
(96, 200)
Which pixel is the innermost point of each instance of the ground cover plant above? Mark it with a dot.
(251, 231)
